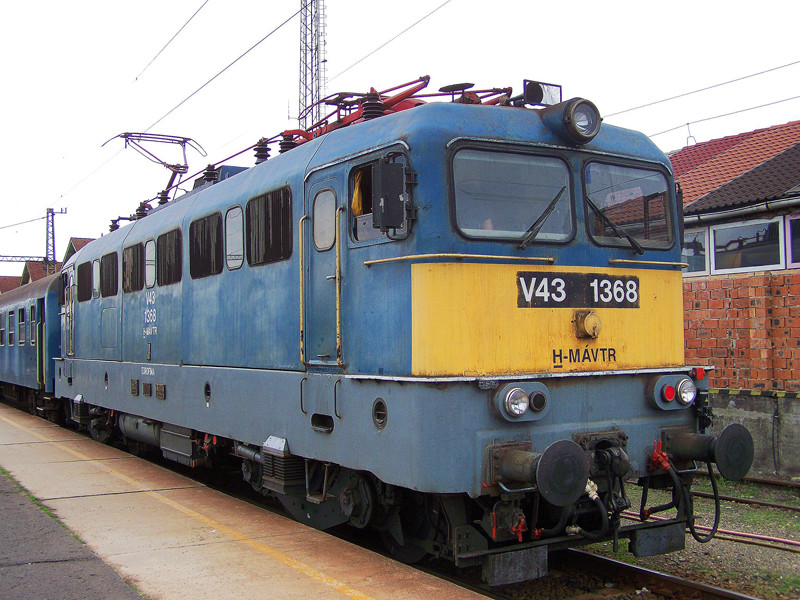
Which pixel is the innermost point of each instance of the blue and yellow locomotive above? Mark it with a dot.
(459, 323)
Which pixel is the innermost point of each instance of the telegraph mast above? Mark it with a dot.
(312, 61)
(49, 259)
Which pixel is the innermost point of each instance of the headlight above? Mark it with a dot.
(516, 402)
(687, 391)
(582, 120)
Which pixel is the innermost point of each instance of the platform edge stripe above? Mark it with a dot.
(287, 560)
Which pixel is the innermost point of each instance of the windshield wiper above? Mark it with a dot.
(539, 223)
(621, 233)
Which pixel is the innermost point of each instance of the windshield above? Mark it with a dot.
(627, 206)
(499, 195)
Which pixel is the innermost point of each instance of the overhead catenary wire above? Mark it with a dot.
(240, 57)
(736, 112)
(22, 223)
(171, 40)
(710, 87)
(366, 56)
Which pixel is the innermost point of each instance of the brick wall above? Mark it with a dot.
(747, 326)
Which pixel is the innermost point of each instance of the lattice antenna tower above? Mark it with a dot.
(312, 61)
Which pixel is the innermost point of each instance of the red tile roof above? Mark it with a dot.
(35, 270)
(705, 167)
(9, 282)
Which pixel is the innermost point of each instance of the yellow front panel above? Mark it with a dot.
(467, 320)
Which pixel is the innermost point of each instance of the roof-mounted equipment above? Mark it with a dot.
(575, 121)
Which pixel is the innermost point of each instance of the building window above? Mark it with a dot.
(269, 227)
(150, 263)
(169, 257)
(11, 325)
(793, 241)
(84, 281)
(205, 246)
(21, 325)
(694, 252)
(109, 275)
(749, 246)
(234, 238)
(133, 268)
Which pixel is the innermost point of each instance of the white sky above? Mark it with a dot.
(69, 80)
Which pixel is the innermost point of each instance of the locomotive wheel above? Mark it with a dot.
(414, 519)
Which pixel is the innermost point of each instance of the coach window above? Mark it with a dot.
(518, 198)
(32, 319)
(205, 246)
(84, 281)
(324, 219)
(133, 268)
(234, 238)
(109, 275)
(21, 325)
(11, 325)
(169, 257)
(150, 263)
(2, 330)
(268, 226)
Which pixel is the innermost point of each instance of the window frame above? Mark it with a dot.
(748, 269)
(150, 264)
(169, 272)
(109, 275)
(233, 265)
(327, 220)
(788, 240)
(524, 152)
(83, 281)
(370, 234)
(10, 335)
(21, 326)
(33, 325)
(2, 329)
(707, 260)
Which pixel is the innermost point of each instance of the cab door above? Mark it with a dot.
(68, 315)
(322, 273)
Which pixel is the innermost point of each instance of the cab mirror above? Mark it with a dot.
(388, 195)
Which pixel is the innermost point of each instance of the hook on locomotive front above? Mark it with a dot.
(457, 322)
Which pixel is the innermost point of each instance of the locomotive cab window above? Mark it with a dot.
(169, 257)
(363, 188)
(205, 246)
(133, 268)
(109, 275)
(628, 206)
(512, 197)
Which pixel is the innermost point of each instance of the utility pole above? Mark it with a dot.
(312, 61)
(49, 260)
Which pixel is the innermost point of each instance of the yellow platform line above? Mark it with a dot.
(285, 559)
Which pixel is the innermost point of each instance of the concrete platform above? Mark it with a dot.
(174, 538)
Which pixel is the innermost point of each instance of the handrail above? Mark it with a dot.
(546, 259)
(302, 292)
(663, 263)
(339, 358)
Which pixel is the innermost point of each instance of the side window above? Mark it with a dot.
(205, 246)
(109, 275)
(694, 252)
(169, 257)
(269, 227)
(32, 319)
(21, 325)
(84, 281)
(11, 325)
(133, 268)
(323, 219)
(150, 263)
(2, 330)
(362, 187)
(96, 279)
(234, 238)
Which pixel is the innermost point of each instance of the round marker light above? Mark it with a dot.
(516, 402)
(687, 391)
(668, 393)
(582, 120)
